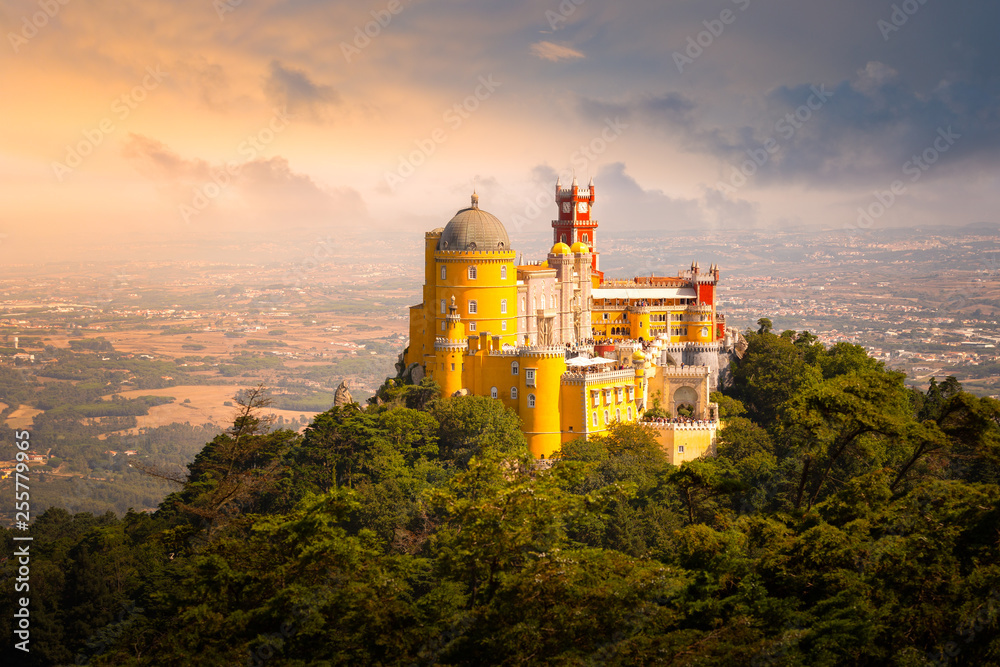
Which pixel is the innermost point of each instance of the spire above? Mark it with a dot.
(475, 199)
(591, 182)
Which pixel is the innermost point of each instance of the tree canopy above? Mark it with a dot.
(845, 519)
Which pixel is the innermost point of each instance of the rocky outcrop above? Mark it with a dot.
(342, 396)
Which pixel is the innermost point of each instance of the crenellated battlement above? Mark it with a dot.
(682, 426)
(597, 377)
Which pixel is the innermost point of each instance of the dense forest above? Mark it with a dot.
(845, 520)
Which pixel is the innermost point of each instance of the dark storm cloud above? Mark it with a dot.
(293, 89)
(892, 75)
(623, 198)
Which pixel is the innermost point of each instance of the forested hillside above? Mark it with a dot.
(845, 520)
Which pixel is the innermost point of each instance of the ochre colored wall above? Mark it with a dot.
(696, 441)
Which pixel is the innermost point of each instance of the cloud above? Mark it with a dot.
(292, 89)
(264, 191)
(554, 52)
(624, 205)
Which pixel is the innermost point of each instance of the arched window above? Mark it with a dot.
(595, 419)
(513, 368)
(630, 414)
(472, 273)
(503, 306)
(618, 415)
(607, 418)
(493, 392)
(503, 272)
(562, 238)
(503, 325)
(473, 307)
(531, 400)
(585, 238)
(513, 393)
(444, 272)
(443, 307)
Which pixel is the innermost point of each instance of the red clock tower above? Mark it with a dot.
(575, 223)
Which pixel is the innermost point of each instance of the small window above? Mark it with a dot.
(597, 401)
(562, 238)
(585, 238)
(442, 325)
(472, 273)
(618, 415)
(513, 393)
(503, 306)
(607, 418)
(472, 326)
(443, 307)
(595, 419)
(680, 449)
(453, 367)
(444, 272)
(529, 376)
(523, 304)
(630, 414)
(503, 325)
(493, 392)
(531, 400)
(503, 272)
(606, 316)
(473, 307)
(513, 368)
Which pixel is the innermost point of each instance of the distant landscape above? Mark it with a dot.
(139, 363)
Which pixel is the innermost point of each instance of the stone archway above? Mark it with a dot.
(685, 403)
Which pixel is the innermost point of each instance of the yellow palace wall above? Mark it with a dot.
(683, 442)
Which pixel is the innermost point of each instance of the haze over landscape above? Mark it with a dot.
(121, 119)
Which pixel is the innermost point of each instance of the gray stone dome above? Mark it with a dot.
(474, 229)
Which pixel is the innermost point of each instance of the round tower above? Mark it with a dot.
(474, 264)
(539, 399)
(450, 353)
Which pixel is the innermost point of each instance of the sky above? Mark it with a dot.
(164, 129)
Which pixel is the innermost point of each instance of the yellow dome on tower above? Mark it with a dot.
(560, 249)
(579, 247)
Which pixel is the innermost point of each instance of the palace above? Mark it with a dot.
(569, 350)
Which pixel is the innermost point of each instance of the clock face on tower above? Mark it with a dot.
(567, 206)
(582, 207)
